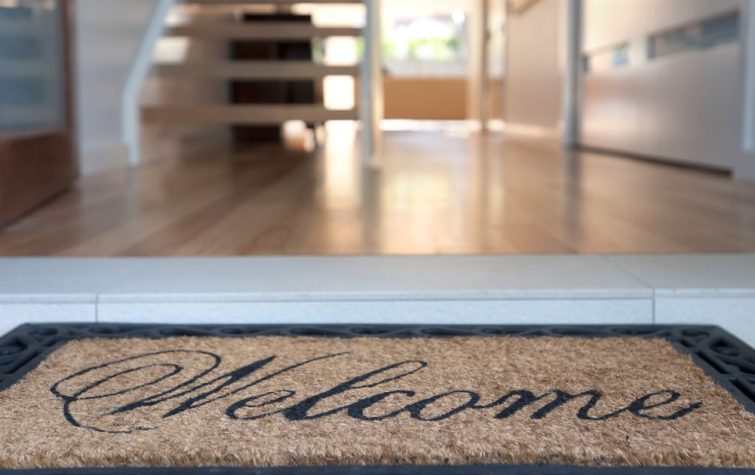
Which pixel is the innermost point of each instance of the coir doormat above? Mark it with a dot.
(262, 401)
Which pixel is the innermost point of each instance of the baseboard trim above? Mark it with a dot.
(672, 162)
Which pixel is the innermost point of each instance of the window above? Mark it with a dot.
(429, 40)
(706, 34)
(606, 59)
(31, 66)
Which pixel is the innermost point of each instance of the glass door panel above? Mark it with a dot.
(31, 66)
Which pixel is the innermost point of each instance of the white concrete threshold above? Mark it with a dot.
(630, 289)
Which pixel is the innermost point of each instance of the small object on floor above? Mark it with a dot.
(281, 400)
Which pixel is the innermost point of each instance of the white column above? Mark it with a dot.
(371, 102)
(478, 86)
(572, 74)
(748, 76)
(744, 168)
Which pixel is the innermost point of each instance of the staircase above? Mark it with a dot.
(228, 29)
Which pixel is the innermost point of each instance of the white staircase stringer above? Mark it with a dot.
(130, 104)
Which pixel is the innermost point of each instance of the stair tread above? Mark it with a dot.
(266, 30)
(245, 69)
(271, 2)
(245, 113)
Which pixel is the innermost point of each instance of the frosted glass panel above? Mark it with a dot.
(31, 65)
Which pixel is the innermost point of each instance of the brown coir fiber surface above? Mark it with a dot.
(209, 401)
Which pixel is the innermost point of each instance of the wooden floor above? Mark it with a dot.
(433, 193)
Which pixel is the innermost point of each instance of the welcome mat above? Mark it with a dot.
(434, 399)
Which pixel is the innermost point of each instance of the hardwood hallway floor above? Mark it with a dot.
(433, 193)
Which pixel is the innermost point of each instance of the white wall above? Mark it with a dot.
(609, 21)
(685, 107)
(745, 169)
(533, 84)
(108, 36)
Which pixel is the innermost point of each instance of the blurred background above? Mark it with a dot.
(210, 127)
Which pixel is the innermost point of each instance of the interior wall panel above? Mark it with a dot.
(533, 84)
(609, 21)
(684, 107)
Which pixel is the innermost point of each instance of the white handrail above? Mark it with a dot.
(371, 102)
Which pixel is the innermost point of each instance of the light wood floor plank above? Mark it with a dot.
(432, 194)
